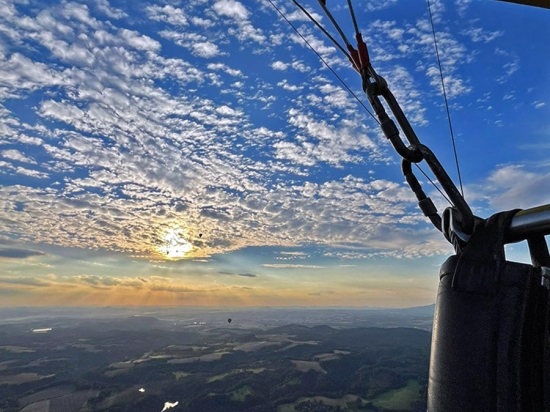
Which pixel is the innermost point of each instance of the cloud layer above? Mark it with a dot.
(122, 124)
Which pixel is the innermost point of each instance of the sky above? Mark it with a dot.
(198, 153)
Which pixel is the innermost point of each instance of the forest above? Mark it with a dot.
(143, 364)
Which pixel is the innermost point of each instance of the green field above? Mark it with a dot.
(348, 403)
(241, 393)
(219, 377)
(294, 381)
(22, 378)
(399, 399)
(224, 375)
(179, 375)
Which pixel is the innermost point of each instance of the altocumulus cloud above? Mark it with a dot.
(101, 138)
(135, 126)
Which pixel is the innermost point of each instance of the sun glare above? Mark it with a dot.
(174, 246)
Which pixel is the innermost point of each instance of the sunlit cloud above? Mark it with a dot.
(173, 245)
(192, 137)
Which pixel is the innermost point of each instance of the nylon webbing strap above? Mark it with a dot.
(489, 335)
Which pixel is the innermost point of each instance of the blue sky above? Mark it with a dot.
(199, 153)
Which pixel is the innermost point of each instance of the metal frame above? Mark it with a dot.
(529, 223)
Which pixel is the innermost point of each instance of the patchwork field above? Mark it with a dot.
(399, 399)
(287, 369)
(305, 366)
(22, 378)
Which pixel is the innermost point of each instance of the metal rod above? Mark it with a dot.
(528, 223)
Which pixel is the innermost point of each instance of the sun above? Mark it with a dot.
(174, 246)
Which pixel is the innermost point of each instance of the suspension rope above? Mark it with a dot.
(335, 24)
(353, 19)
(445, 97)
(325, 63)
(359, 40)
(375, 87)
(347, 55)
(433, 183)
(325, 32)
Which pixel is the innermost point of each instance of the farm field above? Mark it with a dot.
(120, 365)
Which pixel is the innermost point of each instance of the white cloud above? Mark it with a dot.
(20, 73)
(437, 8)
(17, 156)
(198, 44)
(510, 66)
(137, 142)
(299, 15)
(454, 86)
(227, 111)
(81, 13)
(206, 50)
(290, 87)
(322, 142)
(296, 65)
(169, 14)
(231, 8)
(407, 94)
(105, 7)
(279, 65)
(477, 34)
(31, 173)
(379, 4)
(335, 96)
(393, 42)
(225, 68)
(502, 191)
(140, 42)
(277, 39)
(317, 44)
(301, 67)
(198, 21)
(247, 31)
(462, 6)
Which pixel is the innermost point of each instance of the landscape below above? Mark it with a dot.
(178, 359)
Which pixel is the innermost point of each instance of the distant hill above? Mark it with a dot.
(135, 323)
(427, 310)
(356, 337)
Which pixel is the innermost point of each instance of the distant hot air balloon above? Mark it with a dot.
(200, 234)
(229, 320)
